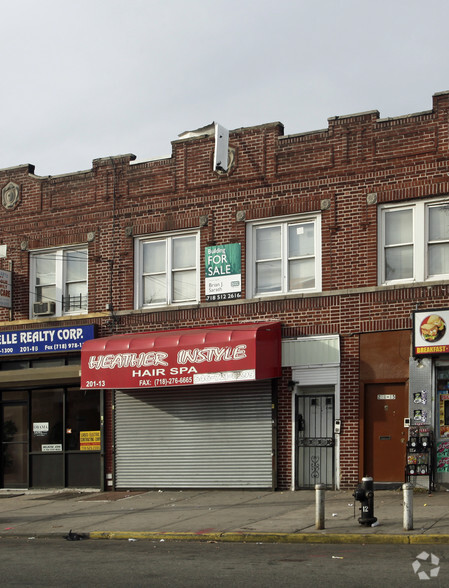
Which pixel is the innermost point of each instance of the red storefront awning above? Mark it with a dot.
(183, 358)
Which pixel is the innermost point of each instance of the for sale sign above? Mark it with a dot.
(223, 272)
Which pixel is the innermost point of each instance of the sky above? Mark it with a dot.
(94, 78)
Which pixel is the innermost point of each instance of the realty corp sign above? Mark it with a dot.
(44, 340)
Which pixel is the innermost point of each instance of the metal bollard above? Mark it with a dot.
(319, 506)
(408, 506)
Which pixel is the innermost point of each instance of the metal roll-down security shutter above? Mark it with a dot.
(216, 436)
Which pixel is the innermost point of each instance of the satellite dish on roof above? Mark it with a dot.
(221, 153)
(221, 148)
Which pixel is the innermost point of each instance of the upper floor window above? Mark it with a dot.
(284, 256)
(59, 281)
(167, 270)
(414, 242)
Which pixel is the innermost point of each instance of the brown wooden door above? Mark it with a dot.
(385, 434)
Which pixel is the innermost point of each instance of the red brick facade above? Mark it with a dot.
(344, 172)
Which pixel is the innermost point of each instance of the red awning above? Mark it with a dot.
(183, 358)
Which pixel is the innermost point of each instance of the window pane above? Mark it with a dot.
(439, 259)
(45, 269)
(268, 243)
(46, 294)
(184, 253)
(398, 227)
(13, 395)
(153, 257)
(399, 263)
(439, 223)
(301, 240)
(184, 287)
(15, 429)
(82, 415)
(268, 276)
(46, 418)
(154, 289)
(77, 289)
(76, 268)
(301, 274)
(76, 296)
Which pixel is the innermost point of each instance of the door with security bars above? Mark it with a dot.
(315, 455)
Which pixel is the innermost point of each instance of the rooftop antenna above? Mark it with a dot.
(221, 149)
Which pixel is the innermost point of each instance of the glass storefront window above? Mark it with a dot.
(82, 416)
(50, 437)
(442, 419)
(46, 419)
(442, 377)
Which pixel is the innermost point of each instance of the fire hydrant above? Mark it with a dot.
(364, 493)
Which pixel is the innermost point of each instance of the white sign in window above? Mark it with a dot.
(41, 428)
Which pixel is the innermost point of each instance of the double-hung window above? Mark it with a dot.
(414, 242)
(59, 281)
(284, 256)
(167, 270)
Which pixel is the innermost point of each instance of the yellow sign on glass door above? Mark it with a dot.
(90, 440)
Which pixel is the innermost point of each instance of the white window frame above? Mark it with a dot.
(284, 222)
(60, 278)
(420, 240)
(138, 269)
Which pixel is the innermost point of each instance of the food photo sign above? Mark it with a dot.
(431, 332)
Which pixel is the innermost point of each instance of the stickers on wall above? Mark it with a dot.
(420, 397)
(420, 412)
(420, 416)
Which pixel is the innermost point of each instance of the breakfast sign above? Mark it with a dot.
(431, 332)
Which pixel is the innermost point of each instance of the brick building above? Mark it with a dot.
(270, 325)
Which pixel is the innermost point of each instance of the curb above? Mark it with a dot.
(329, 538)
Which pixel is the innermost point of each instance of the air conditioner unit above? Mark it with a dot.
(44, 308)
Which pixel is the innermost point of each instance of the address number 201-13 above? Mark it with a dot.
(95, 384)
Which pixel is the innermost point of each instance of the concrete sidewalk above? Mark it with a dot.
(220, 515)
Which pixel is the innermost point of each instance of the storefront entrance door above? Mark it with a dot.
(385, 434)
(14, 427)
(315, 439)
(50, 438)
